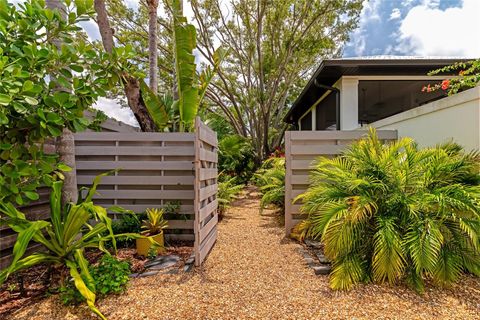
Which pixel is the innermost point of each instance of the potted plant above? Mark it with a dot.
(153, 232)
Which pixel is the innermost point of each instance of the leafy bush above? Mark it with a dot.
(236, 157)
(270, 178)
(128, 223)
(64, 238)
(394, 211)
(30, 111)
(110, 276)
(227, 190)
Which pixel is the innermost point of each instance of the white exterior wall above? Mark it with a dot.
(455, 117)
(348, 103)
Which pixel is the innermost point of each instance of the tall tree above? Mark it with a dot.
(65, 143)
(130, 82)
(275, 45)
(152, 45)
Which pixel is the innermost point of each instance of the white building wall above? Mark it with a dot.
(348, 103)
(455, 117)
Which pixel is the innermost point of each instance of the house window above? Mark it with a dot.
(306, 122)
(379, 99)
(326, 113)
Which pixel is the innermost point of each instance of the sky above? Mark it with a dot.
(386, 27)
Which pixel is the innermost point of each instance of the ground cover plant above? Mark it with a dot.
(228, 188)
(391, 212)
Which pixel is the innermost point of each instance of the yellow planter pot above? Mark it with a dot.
(143, 245)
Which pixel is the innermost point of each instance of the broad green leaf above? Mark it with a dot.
(155, 106)
(4, 99)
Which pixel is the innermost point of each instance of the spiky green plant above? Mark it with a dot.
(227, 190)
(270, 178)
(155, 223)
(64, 238)
(387, 212)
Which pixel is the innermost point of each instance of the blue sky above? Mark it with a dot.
(417, 27)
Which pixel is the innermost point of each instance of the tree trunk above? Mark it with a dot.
(66, 142)
(131, 84)
(152, 45)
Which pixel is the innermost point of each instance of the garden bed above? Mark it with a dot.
(32, 285)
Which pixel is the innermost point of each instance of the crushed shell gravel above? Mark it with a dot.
(254, 272)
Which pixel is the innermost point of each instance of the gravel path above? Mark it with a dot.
(254, 272)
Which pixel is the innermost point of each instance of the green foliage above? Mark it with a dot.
(228, 188)
(387, 212)
(270, 178)
(155, 222)
(128, 223)
(468, 77)
(236, 157)
(63, 238)
(43, 90)
(110, 276)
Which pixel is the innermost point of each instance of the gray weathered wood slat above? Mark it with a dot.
(138, 180)
(135, 165)
(208, 243)
(134, 151)
(180, 224)
(206, 155)
(302, 164)
(207, 174)
(315, 150)
(144, 194)
(205, 230)
(140, 208)
(138, 136)
(208, 191)
(207, 210)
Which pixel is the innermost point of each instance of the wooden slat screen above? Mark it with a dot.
(206, 188)
(301, 149)
(155, 169)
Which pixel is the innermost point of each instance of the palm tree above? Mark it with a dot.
(152, 44)
(392, 212)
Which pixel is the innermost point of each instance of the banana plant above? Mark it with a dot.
(190, 87)
(65, 237)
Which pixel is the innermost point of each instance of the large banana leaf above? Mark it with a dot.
(185, 68)
(155, 106)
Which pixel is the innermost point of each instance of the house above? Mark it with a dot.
(386, 92)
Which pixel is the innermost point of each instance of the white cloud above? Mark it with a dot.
(429, 31)
(395, 14)
(114, 110)
(370, 12)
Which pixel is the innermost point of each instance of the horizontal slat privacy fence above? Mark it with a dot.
(301, 149)
(206, 187)
(154, 170)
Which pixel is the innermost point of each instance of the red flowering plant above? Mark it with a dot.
(468, 77)
(279, 152)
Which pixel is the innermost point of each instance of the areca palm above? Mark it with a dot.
(387, 212)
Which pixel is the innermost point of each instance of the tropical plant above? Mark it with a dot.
(155, 223)
(387, 212)
(31, 110)
(236, 157)
(189, 88)
(110, 276)
(270, 178)
(64, 238)
(228, 188)
(468, 77)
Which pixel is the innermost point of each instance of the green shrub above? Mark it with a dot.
(270, 178)
(390, 212)
(110, 276)
(227, 190)
(236, 157)
(128, 223)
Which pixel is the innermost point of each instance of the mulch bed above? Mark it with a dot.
(34, 284)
